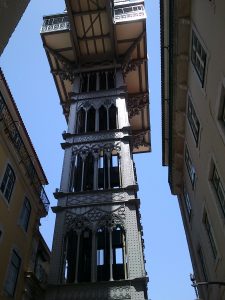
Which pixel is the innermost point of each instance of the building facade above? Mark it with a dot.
(98, 57)
(11, 12)
(193, 130)
(22, 202)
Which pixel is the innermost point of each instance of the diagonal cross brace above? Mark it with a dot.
(130, 50)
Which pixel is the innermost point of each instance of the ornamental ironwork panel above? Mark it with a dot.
(55, 24)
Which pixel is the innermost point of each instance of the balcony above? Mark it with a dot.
(129, 13)
(13, 133)
(55, 23)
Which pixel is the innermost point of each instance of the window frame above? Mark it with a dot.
(188, 204)
(218, 188)
(197, 51)
(202, 260)
(210, 235)
(193, 120)
(25, 214)
(190, 167)
(5, 184)
(12, 267)
(223, 112)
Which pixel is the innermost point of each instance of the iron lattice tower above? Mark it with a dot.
(98, 57)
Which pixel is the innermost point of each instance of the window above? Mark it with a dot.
(12, 275)
(85, 256)
(88, 173)
(187, 203)
(25, 214)
(91, 82)
(109, 171)
(111, 80)
(111, 254)
(193, 120)
(118, 249)
(70, 257)
(219, 189)
(202, 263)
(223, 112)
(78, 256)
(81, 117)
(103, 118)
(208, 229)
(112, 117)
(1, 103)
(109, 249)
(91, 119)
(198, 57)
(190, 167)
(8, 183)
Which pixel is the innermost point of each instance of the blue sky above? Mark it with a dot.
(28, 74)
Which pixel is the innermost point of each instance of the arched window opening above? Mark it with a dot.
(101, 172)
(119, 254)
(81, 121)
(102, 81)
(70, 257)
(85, 255)
(111, 80)
(76, 173)
(108, 171)
(103, 175)
(84, 83)
(88, 176)
(102, 118)
(91, 120)
(112, 117)
(114, 172)
(92, 82)
(103, 254)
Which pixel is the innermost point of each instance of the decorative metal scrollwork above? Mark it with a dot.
(139, 140)
(96, 148)
(136, 103)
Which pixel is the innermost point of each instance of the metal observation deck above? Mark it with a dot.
(102, 35)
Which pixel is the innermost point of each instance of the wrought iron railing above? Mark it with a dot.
(15, 137)
(129, 13)
(55, 24)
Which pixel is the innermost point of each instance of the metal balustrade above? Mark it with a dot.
(55, 24)
(129, 13)
(15, 137)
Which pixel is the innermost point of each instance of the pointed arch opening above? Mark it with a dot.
(88, 176)
(102, 81)
(92, 82)
(113, 117)
(84, 83)
(91, 119)
(102, 118)
(81, 115)
(111, 80)
(119, 253)
(85, 256)
(75, 173)
(103, 254)
(70, 257)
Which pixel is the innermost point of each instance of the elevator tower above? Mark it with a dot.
(97, 53)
